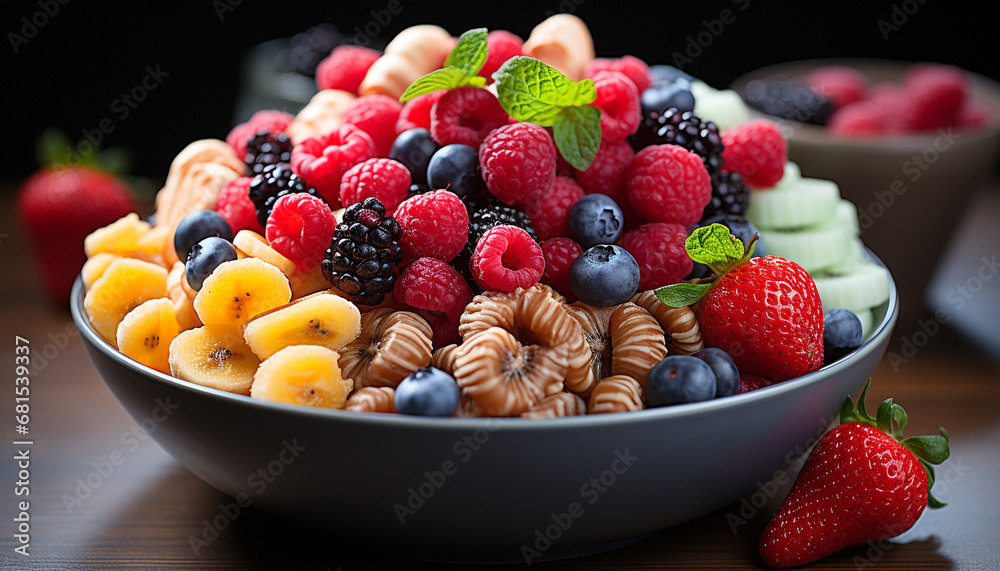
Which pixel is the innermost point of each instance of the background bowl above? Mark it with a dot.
(481, 489)
(907, 224)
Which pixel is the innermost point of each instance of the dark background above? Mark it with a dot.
(77, 64)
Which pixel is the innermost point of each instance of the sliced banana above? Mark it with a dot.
(302, 374)
(120, 237)
(146, 333)
(321, 319)
(214, 356)
(239, 290)
(807, 202)
(857, 286)
(123, 286)
(253, 245)
(95, 267)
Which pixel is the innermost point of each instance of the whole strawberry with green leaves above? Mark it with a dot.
(862, 482)
(765, 312)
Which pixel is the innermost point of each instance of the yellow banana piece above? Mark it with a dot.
(239, 290)
(320, 319)
(214, 356)
(146, 333)
(123, 286)
(302, 374)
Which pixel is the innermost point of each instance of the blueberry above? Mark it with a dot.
(741, 228)
(205, 256)
(456, 168)
(414, 148)
(427, 392)
(663, 95)
(604, 276)
(727, 376)
(667, 73)
(680, 379)
(197, 226)
(841, 333)
(596, 219)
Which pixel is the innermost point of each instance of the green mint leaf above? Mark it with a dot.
(577, 134)
(469, 54)
(682, 294)
(531, 90)
(444, 78)
(713, 245)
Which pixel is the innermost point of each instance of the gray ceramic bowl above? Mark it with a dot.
(484, 489)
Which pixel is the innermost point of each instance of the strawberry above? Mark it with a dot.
(863, 482)
(765, 312)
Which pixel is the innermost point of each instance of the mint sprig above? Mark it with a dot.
(460, 68)
(715, 247)
(531, 90)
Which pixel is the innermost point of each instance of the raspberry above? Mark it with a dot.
(501, 45)
(933, 96)
(840, 84)
(861, 118)
(235, 206)
(667, 183)
(435, 224)
(465, 116)
(517, 161)
(549, 210)
(431, 284)
(322, 161)
(444, 331)
(375, 115)
(272, 120)
(974, 114)
(384, 179)
(560, 253)
(633, 68)
(607, 174)
(300, 228)
(416, 113)
(506, 258)
(345, 68)
(618, 100)
(658, 247)
(757, 151)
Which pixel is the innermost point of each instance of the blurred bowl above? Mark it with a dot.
(468, 489)
(911, 189)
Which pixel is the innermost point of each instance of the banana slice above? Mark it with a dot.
(120, 237)
(146, 333)
(253, 245)
(95, 267)
(807, 202)
(214, 356)
(239, 290)
(819, 246)
(302, 374)
(124, 285)
(857, 286)
(182, 297)
(321, 319)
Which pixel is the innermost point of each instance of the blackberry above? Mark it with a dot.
(271, 184)
(306, 49)
(362, 258)
(730, 195)
(486, 212)
(787, 99)
(685, 129)
(267, 148)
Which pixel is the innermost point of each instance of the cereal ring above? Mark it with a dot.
(617, 393)
(559, 404)
(372, 399)
(321, 115)
(680, 324)
(444, 359)
(504, 377)
(392, 344)
(467, 408)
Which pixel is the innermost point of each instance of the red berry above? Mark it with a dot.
(618, 100)
(501, 45)
(384, 179)
(518, 160)
(435, 224)
(273, 120)
(235, 206)
(375, 115)
(560, 253)
(633, 68)
(300, 228)
(345, 68)
(444, 330)
(934, 95)
(416, 113)
(974, 114)
(322, 161)
(667, 183)
(549, 210)
(840, 84)
(859, 119)
(431, 284)
(750, 382)
(608, 173)
(506, 258)
(757, 151)
(658, 247)
(465, 116)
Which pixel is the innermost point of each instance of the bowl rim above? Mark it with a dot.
(877, 338)
(818, 135)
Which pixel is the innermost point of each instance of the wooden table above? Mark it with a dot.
(140, 513)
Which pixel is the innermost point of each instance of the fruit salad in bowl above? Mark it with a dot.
(464, 295)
